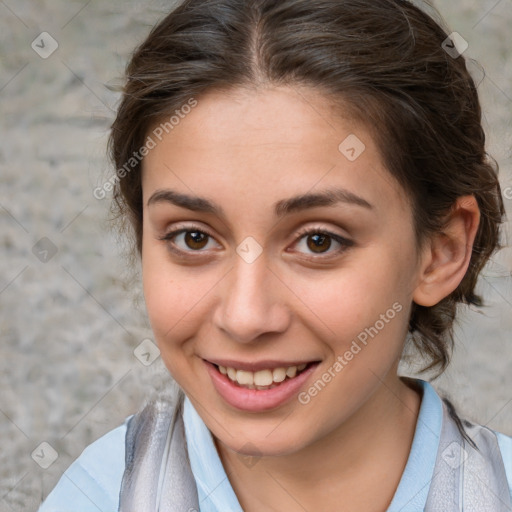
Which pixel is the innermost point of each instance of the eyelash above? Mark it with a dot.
(344, 242)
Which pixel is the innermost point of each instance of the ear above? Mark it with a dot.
(446, 256)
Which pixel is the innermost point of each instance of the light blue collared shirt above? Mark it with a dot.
(216, 494)
(93, 481)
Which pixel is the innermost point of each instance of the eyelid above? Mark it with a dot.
(321, 229)
(183, 226)
(178, 230)
(345, 242)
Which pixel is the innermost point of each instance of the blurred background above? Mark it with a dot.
(74, 337)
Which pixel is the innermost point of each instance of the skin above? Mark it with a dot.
(246, 150)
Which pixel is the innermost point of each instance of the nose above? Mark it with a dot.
(252, 302)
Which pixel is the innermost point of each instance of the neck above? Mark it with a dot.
(348, 462)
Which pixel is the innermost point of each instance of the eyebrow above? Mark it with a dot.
(298, 203)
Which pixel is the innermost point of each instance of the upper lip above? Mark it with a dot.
(254, 366)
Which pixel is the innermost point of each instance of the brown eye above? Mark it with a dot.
(195, 239)
(189, 240)
(318, 242)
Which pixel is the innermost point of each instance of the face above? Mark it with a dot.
(250, 267)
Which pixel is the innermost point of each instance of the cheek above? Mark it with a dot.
(353, 299)
(166, 299)
(167, 305)
(178, 299)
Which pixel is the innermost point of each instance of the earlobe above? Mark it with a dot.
(446, 257)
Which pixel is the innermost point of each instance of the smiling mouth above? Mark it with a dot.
(262, 379)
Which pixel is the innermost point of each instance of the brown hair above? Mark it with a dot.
(386, 60)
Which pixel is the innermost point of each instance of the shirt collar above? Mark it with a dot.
(213, 486)
(216, 494)
(412, 491)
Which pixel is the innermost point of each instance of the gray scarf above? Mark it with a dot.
(157, 476)
(469, 473)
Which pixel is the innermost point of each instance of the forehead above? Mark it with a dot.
(265, 145)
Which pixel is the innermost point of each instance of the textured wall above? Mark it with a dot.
(70, 314)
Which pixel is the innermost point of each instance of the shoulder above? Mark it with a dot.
(495, 447)
(505, 445)
(93, 480)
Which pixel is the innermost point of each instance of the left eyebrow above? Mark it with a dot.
(328, 197)
(301, 202)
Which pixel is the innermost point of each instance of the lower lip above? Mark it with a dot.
(255, 400)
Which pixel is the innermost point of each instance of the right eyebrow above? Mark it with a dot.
(194, 203)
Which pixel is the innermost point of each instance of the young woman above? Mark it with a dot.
(308, 189)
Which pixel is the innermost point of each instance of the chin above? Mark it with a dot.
(255, 441)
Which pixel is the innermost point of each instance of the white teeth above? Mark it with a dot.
(245, 378)
(279, 374)
(291, 371)
(261, 379)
